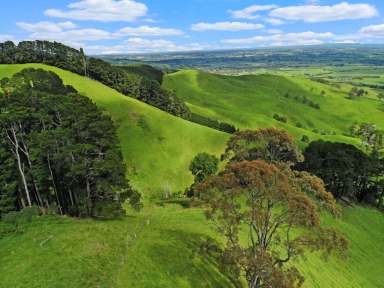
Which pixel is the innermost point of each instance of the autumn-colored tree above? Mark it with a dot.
(269, 144)
(268, 215)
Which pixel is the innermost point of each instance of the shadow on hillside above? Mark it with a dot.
(181, 257)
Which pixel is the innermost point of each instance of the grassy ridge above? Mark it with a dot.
(250, 101)
(153, 142)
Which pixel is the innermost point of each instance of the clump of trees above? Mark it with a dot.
(259, 196)
(58, 150)
(356, 93)
(347, 171)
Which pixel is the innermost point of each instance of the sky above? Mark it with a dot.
(145, 26)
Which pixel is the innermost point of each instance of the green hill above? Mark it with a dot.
(251, 101)
(159, 247)
(153, 142)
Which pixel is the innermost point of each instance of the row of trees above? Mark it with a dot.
(267, 212)
(212, 123)
(58, 150)
(59, 55)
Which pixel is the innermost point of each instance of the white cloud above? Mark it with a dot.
(64, 31)
(274, 21)
(46, 26)
(140, 45)
(101, 10)
(89, 34)
(273, 31)
(150, 31)
(373, 30)
(317, 13)
(226, 26)
(289, 39)
(248, 13)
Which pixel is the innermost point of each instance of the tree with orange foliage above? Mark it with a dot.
(277, 209)
(269, 144)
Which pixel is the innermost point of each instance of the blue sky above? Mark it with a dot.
(135, 26)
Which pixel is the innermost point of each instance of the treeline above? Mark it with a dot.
(58, 150)
(215, 124)
(61, 56)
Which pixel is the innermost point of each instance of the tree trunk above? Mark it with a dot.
(20, 165)
(25, 150)
(54, 184)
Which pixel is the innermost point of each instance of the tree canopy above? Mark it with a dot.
(270, 144)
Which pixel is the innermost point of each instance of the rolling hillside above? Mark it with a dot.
(159, 247)
(153, 142)
(251, 101)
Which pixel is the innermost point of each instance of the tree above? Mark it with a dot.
(356, 93)
(277, 210)
(269, 144)
(371, 138)
(203, 165)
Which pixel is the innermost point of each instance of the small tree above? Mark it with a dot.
(275, 209)
(203, 165)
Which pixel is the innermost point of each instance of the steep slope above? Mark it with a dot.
(157, 147)
(251, 101)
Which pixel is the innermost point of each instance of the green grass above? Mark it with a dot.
(159, 247)
(157, 147)
(250, 101)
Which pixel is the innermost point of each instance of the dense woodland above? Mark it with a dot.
(58, 150)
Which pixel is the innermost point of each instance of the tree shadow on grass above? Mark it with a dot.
(180, 256)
